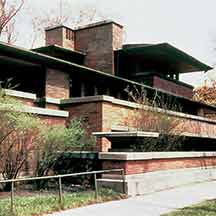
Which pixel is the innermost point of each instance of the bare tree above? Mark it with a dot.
(10, 33)
(64, 16)
(8, 12)
(153, 115)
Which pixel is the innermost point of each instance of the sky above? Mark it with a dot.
(187, 24)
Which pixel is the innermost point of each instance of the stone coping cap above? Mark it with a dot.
(20, 94)
(81, 27)
(128, 156)
(126, 134)
(96, 24)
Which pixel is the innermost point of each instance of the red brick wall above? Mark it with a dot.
(143, 166)
(98, 43)
(57, 84)
(172, 87)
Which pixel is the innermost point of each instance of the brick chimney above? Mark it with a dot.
(61, 36)
(98, 41)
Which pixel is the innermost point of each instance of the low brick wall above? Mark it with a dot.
(153, 171)
(144, 166)
(137, 163)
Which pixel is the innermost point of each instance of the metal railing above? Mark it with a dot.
(59, 177)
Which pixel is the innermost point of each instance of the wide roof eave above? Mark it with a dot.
(50, 61)
(168, 51)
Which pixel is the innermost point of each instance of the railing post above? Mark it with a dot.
(123, 180)
(12, 197)
(96, 186)
(60, 193)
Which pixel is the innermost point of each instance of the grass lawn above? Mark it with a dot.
(38, 204)
(207, 208)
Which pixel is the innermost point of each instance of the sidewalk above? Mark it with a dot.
(151, 205)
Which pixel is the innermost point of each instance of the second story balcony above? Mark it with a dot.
(158, 66)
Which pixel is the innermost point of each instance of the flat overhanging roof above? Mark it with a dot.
(56, 48)
(173, 59)
(61, 53)
(39, 59)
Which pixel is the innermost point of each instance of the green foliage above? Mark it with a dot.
(41, 204)
(22, 133)
(206, 208)
(18, 132)
(57, 140)
(71, 162)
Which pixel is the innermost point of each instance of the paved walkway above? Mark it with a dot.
(151, 205)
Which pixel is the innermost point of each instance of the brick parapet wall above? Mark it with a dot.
(117, 115)
(172, 87)
(104, 113)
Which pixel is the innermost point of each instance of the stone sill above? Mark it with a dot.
(48, 100)
(46, 112)
(35, 110)
(126, 134)
(129, 156)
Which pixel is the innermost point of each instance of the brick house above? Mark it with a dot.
(85, 71)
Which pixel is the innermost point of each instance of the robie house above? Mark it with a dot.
(84, 72)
